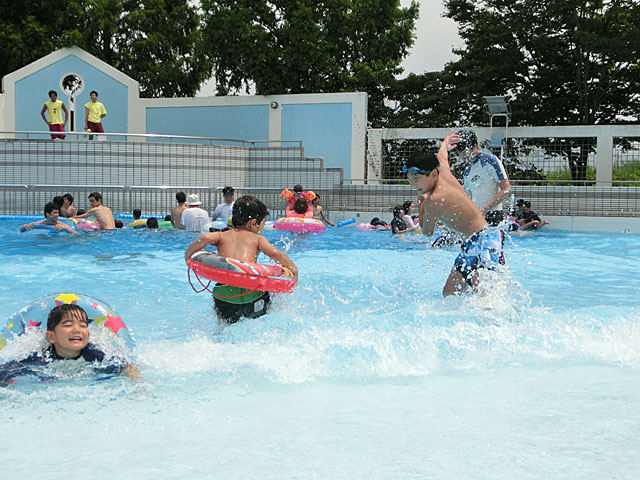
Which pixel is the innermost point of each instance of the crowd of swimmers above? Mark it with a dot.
(474, 211)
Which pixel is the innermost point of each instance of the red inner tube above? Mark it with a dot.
(229, 271)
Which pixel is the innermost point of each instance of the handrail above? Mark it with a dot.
(149, 135)
(166, 187)
(104, 187)
(26, 187)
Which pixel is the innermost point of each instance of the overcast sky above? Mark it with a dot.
(435, 38)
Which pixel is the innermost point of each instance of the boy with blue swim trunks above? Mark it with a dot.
(441, 197)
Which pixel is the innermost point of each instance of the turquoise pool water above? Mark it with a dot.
(365, 371)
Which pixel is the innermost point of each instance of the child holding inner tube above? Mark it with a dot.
(243, 242)
(68, 336)
(51, 213)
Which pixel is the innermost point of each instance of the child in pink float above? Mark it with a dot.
(299, 202)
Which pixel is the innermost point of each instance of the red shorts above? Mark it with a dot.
(57, 127)
(95, 127)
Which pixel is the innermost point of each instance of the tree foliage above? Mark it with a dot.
(305, 46)
(558, 62)
(155, 42)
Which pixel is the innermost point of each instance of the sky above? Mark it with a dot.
(435, 38)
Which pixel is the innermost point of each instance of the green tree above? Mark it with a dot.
(559, 62)
(154, 43)
(305, 46)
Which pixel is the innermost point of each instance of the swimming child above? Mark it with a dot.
(103, 214)
(67, 209)
(397, 224)
(408, 209)
(318, 211)
(243, 242)
(51, 213)
(176, 212)
(528, 219)
(292, 197)
(68, 336)
(444, 198)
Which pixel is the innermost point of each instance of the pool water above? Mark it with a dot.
(365, 371)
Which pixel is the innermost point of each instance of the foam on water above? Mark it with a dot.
(364, 370)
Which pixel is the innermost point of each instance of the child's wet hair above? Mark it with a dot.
(297, 188)
(246, 208)
(398, 211)
(406, 205)
(423, 159)
(50, 207)
(57, 314)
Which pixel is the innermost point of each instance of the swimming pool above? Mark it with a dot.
(365, 371)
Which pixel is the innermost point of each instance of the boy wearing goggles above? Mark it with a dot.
(442, 197)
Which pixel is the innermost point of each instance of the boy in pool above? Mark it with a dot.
(444, 198)
(51, 213)
(243, 242)
(68, 336)
(103, 214)
(318, 211)
(68, 210)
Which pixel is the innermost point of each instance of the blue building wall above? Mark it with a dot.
(325, 131)
(31, 94)
(242, 122)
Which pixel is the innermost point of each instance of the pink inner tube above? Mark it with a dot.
(93, 225)
(299, 225)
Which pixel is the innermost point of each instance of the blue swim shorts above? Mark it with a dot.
(483, 249)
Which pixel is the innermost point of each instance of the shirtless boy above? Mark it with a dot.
(103, 214)
(243, 242)
(51, 213)
(67, 209)
(176, 212)
(318, 211)
(444, 198)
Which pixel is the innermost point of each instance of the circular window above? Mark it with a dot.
(72, 84)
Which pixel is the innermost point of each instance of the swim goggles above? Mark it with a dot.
(416, 170)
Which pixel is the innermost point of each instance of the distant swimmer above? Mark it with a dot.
(51, 214)
(103, 214)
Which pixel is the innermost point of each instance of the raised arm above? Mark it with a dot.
(449, 143)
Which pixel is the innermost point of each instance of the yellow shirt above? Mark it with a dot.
(96, 110)
(55, 111)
